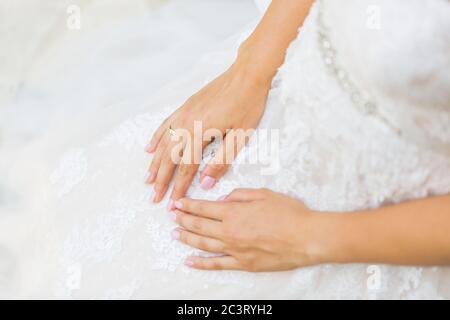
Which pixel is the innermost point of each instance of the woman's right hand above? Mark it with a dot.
(234, 100)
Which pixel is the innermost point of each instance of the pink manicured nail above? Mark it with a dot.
(221, 198)
(178, 204)
(208, 182)
(189, 262)
(170, 205)
(173, 216)
(175, 235)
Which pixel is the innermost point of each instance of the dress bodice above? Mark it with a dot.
(397, 56)
(398, 53)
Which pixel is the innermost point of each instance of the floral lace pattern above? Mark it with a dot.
(71, 171)
(106, 240)
(323, 162)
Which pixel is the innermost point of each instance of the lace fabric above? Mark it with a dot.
(108, 241)
(323, 162)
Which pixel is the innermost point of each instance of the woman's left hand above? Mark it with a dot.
(254, 229)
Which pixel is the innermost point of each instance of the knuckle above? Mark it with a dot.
(202, 244)
(160, 186)
(197, 224)
(249, 263)
(216, 167)
(166, 159)
(156, 160)
(231, 233)
(238, 236)
(181, 219)
(161, 181)
(215, 265)
(232, 212)
(199, 263)
(179, 189)
(223, 247)
(202, 264)
(199, 207)
(251, 266)
(162, 145)
(184, 170)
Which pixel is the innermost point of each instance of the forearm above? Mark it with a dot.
(410, 233)
(264, 50)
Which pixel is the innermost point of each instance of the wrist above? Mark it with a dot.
(332, 237)
(254, 64)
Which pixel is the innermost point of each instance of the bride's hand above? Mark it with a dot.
(234, 100)
(255, 229)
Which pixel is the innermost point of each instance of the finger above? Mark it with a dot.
(156, 161)
(213, 263)
(199, 242)
(186, 172)
(203, 208)
(183, 179)
(233, 142)
(166, 170)
(245, 194)
(163, 178)
(153, 144)
(199, 225)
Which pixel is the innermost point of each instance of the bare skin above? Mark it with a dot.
(260, 230)
(234, 100)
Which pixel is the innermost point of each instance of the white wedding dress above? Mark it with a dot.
(363, 106)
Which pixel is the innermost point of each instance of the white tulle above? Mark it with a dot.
(98, 236)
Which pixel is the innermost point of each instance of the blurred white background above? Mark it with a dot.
(55, 81)
(36, 47)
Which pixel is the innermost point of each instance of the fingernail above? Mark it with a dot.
(208, 182)
(221, 198)
(178, 204)
(152, 196)
(170, 205)
(175, 235)
(173, 216)
(189, 262)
